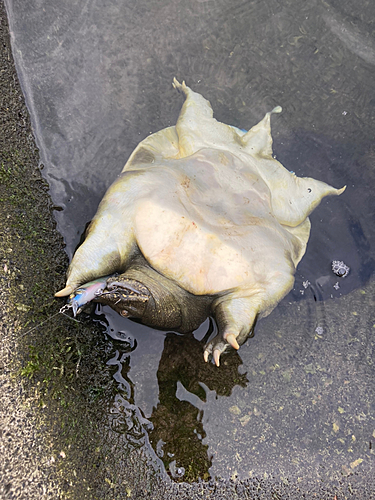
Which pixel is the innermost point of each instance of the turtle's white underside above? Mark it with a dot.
(208, 207)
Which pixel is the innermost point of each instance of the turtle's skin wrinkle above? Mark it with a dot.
(202, 221)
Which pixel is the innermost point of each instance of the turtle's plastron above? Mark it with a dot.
(202, 221)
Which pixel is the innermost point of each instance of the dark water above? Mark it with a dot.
(97, 79)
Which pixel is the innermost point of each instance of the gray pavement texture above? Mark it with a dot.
(23, 452)
(55, 440)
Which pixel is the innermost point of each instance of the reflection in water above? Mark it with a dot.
(185, 383)
(175, 427)
(194, 420)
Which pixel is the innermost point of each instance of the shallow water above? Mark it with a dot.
(97, 79)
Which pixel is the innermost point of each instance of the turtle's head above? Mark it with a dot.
(144, 294)
(126, 296)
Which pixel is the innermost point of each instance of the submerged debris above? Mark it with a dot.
(319, 330)
(340, 268)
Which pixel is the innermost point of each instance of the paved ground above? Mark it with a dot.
(25, 210)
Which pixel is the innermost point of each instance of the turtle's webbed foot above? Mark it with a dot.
(126, 296)
(236, 319)
(218, 345)
(181, 87)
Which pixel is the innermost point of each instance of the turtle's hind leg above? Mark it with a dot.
(196, 127)
(195, 105)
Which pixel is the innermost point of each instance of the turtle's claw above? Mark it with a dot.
(216, 347)
(231, 339)
(217, 357)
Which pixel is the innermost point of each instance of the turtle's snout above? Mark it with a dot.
(132, 286)
(126, 296)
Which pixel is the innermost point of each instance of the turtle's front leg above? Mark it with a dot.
(110, 241)
(236, 319)
(236, 313)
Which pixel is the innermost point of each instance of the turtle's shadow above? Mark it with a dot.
(185, 385)
(185, 381)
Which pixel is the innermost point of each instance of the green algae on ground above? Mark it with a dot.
(59, 363)
(52, 365)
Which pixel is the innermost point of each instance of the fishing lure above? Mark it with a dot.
(85, 294)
